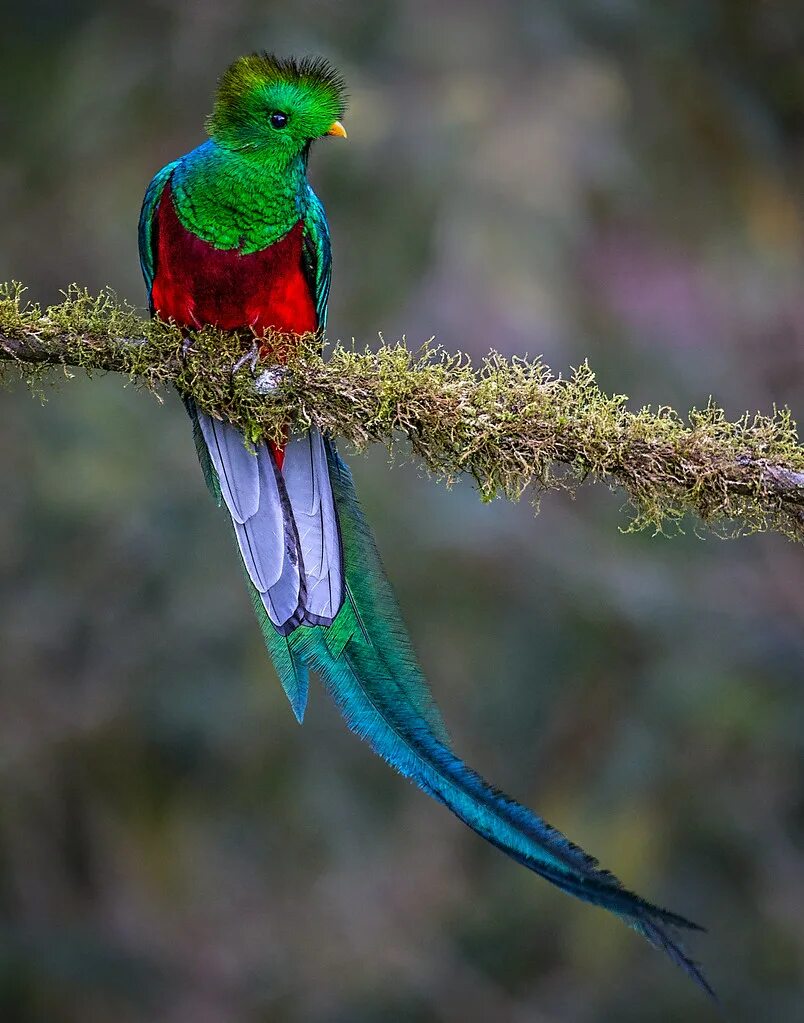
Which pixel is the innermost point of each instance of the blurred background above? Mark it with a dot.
(574, 178)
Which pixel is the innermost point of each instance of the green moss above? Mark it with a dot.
(508, 423)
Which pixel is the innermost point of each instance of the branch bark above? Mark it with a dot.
(508, 423)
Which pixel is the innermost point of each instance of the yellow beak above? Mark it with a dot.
(338, 130)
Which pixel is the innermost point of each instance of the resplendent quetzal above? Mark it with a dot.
(232, 235)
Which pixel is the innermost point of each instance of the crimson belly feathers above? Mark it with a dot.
(196, 284)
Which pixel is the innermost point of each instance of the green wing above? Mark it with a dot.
(146, 226)
(317, 255)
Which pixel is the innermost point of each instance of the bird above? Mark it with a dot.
(232, 235)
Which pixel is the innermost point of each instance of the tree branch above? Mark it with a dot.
(508, 423)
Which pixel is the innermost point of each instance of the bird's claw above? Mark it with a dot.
(250, 359)
(265, 382)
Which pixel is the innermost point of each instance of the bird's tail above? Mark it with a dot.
(324, 604)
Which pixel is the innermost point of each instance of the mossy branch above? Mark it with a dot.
(507, 423)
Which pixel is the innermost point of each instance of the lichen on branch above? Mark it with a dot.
(509, 423)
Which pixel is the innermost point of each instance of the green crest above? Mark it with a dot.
(276, 106)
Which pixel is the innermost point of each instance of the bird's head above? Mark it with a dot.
(275, 107)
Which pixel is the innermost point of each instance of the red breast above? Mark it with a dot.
(196, 284)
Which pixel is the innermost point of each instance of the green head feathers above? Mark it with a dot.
(277, 106)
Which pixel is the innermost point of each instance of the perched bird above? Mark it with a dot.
(232, 235)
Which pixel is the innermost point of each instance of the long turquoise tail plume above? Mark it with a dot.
(366, 662)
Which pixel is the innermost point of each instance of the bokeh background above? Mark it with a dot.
(615, 180)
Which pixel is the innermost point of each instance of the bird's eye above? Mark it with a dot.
(278, 119)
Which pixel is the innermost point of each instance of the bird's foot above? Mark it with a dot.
(249, 359)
